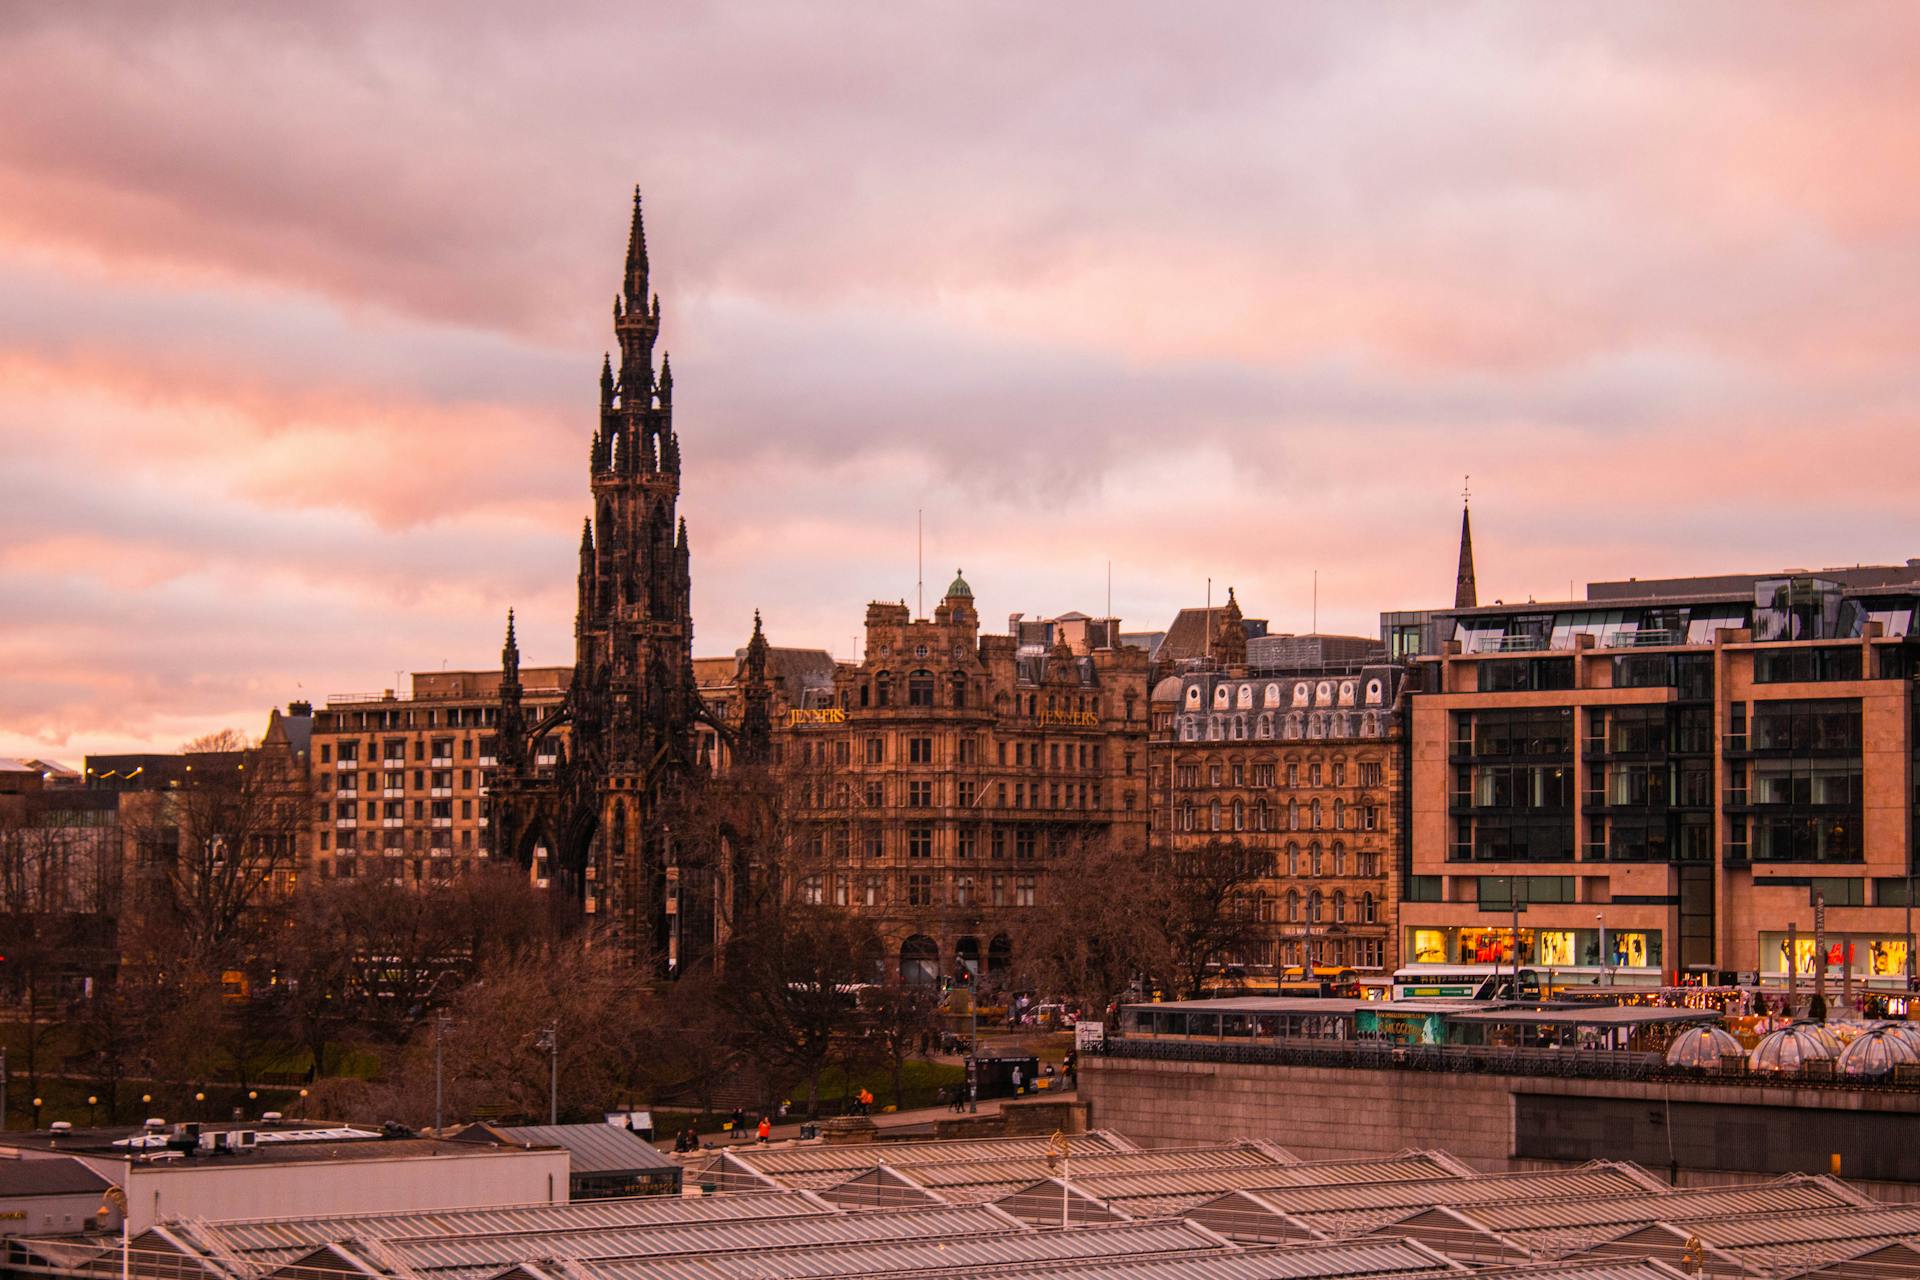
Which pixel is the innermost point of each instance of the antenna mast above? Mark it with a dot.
(920, 562)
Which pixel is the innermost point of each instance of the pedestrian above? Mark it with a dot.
(1016, 1081)
(766, 1130)
(739, 1125)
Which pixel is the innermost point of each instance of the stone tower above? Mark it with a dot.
(593, 823)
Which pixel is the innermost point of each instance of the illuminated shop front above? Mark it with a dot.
(1541, 948)
(1870, 956)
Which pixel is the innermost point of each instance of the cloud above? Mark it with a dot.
(300, 316)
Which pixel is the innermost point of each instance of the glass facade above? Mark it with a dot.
(1543, 947)
(1872, 956)
(1513, 786)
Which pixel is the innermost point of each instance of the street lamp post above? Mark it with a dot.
(550, 1041)
(439, 1094)
(1605, 967)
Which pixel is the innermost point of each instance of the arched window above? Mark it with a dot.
(1366, 908)
(1293, 859)
(1263, 728)
(1315, 808)
(1293, 906)
(1293, 815)
(1239, 816)
(883, 689)
(1339, 906)
(920, 689)
(1319, 859)
(1314, 902)
(959, 683)
(1339, 858)
(1340, 814)
(1213, 815)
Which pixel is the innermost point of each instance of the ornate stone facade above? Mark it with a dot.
(1305, 766)
(593, 824)
(939, 773)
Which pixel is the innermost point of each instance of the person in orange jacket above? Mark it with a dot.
(866, 1102)
(766, 1129)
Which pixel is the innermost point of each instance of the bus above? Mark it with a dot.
(1461, 982)
(1321, 980)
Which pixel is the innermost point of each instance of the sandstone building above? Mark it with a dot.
(937, 774)
(1300, 762)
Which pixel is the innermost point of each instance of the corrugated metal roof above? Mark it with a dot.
(975, 1181)
(779, 1162)
(594, 1148)
(480, 1254)
(1361, 1206)
(1672, 1206)
(996, 1253)
(1150, 1194)
(1844, 1224)
(279, 1234)
(1360, 1258)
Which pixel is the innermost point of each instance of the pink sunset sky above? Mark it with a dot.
(302, 308)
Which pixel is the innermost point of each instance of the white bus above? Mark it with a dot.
(1460, 981)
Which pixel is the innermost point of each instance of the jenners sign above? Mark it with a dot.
(816, 715)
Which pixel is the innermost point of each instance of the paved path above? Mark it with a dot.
(925, 1117)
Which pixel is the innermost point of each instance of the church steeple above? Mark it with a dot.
(1465, 596)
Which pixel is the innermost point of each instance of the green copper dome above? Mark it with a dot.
(959, 587)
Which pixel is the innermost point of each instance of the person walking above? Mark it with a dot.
(739, 1125)
(766, 1130)
(1016, 1082)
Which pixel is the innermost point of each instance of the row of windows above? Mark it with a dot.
(396, 780)
(1294, 727)
(1238, 815)
(923, 889)
(396, 810)
(1020, 842)
(393, 839)
(921, 749)
(395, 750)
(1264, 774)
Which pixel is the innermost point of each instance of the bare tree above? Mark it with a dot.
(898, 1019)
(223, 845)
(1092, 946)
(788, 986)
(490, 1050)
(1202, 907)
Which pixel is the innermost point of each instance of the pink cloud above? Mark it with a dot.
(299, 318)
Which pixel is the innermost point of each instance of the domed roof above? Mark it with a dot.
(1877, 1053)
(1701, 1047)
(958, 587)
(1790, 1048)
(1900, 1030)
(1168, 690)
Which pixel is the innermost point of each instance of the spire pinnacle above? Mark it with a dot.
(637, 257)
(510, 658)
(1465, 594)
